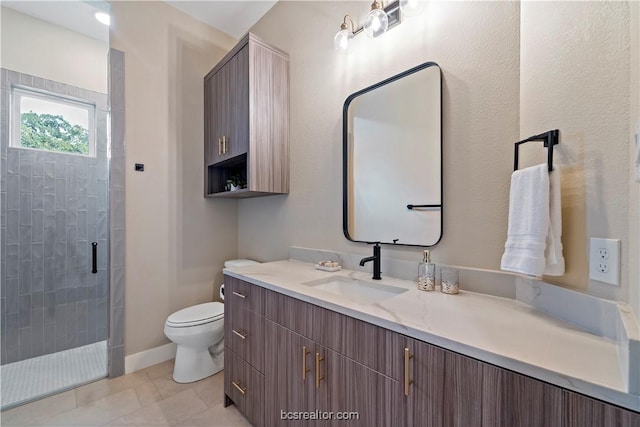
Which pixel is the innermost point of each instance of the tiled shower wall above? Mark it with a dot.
(53, 207)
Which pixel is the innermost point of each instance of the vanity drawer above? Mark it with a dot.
(239, 293)
(245, 386)
(375, 347)
(244, 335)
(289, 312)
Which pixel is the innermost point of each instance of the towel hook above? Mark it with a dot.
(549, 138)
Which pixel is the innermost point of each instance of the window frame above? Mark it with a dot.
(19, 91)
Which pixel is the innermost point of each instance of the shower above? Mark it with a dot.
(55, 205)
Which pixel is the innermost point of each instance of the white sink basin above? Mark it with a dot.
(359, 291)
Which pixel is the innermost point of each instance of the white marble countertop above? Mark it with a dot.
(500, 331)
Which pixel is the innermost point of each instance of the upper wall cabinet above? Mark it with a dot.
(246, 123)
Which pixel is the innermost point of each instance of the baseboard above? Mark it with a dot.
(153, 356)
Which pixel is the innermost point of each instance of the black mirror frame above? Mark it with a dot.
(345, 154)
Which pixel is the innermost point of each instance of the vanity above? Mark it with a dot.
(299, 340)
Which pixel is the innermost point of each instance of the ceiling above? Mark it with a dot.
(74, 15)
(234, 17)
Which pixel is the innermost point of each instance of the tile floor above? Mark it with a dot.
(145, 398)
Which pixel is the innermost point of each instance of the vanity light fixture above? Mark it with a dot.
(344, 36)
(379, 20)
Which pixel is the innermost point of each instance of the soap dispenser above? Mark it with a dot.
(426, 273)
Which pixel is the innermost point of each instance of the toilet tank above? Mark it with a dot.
(239, 263)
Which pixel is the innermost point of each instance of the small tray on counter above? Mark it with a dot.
(322, 267)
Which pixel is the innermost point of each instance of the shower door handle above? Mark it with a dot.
(94, 256)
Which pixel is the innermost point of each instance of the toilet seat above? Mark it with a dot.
(196, 315)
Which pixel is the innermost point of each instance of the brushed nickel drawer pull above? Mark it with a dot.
(318, 376)
(240, 334)
(219, 146)
(224, 145)
(239, 387)
(407, 381)
(305, 351)
(239, 294)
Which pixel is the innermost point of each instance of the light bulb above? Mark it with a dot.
(342, 39)
(411, 7)
(103, 18)
(377, 23)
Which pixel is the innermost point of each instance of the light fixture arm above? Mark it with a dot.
(344, 25)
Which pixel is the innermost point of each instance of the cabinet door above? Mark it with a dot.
(582, 411)
(237, 124)
(208, 122)
(462, 401)
(424, 395)
(218, 97)
(289, 376)
(512, 400)
(364, 396)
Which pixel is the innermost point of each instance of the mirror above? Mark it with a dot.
(392, 160)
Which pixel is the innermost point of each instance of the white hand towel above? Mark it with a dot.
(553, 251)
(528, 221)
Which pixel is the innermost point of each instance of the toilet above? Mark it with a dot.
(198, 332)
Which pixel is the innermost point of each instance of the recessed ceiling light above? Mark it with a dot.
(103, 18)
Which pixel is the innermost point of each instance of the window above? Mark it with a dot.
(44, 121)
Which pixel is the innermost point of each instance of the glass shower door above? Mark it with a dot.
(55, 226)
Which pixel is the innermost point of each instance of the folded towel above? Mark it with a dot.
(553, 252)
(528, 221)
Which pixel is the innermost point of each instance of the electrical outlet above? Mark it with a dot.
(603, 253)
(604, 260)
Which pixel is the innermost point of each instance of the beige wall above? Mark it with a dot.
(36, 47)
(480, 91)
(177, 241)
(573, 75)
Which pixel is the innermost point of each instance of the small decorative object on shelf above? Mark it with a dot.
(235, 183)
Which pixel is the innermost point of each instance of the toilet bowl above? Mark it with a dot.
(198, 332)
(194, 330)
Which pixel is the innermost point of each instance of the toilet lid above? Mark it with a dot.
(197, 315)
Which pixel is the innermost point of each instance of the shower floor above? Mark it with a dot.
(31, 379)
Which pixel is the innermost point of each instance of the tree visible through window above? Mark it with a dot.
(44, 121)
(53, 133)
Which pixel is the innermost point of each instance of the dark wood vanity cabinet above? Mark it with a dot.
(244, 348)
(304, 376)
(246, 121)
(315, 359)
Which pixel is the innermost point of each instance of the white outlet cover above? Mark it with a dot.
(612, 276)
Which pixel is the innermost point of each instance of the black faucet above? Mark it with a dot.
(376, 261)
